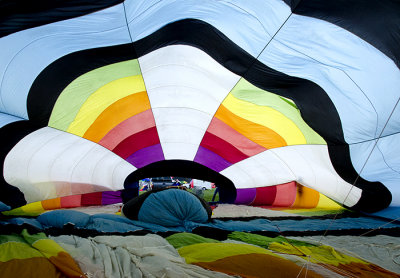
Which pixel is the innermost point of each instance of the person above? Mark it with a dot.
(215, 193)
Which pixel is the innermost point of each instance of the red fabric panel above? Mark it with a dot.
(265, 196)
(222, 148)
(72, 201)
(233, 137)
(138, 141)
(92, 199)
(285, 195)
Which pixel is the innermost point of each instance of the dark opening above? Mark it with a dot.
(187, 169)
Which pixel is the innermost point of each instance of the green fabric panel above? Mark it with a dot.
(17, 250)
(11, 238)
(248, 92)
(76, 93)
(20, 212)
(208, 252)
(183, 239)
(264, 241)
(31, 239)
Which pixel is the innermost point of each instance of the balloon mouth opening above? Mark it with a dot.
(186, 169)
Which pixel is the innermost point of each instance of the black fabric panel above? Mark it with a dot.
(202, 36)
(187, 169)
(315, 106)
(132, 207)
(371, 191)
(18, 15)
(10, 135)
(377, 22)
(59, 74)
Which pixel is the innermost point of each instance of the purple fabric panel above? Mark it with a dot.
(211, 160)
(245, 196)
(146, 156)
(111, 197)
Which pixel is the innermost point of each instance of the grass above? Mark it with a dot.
(207, 194)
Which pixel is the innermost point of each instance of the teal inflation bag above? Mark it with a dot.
(169, 208)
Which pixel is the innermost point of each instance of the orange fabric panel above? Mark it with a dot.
(134, 124)
(258, 265)
(65, 263)
(116, 113)
(239, 141)
(51, 204)
(259, 134)
(306, 197)
(285, 195)
(33, 267)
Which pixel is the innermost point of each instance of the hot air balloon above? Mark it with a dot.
(276, 102)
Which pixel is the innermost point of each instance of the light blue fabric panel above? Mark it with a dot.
(254, 22)
(366, 223)
(389, 213)
(6, 119)
(59, 218)
(362, 82)
(19, 221)
(172, 208)
(380, 161)
(25, 54)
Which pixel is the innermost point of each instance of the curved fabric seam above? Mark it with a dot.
(366, 97)
(383, 158)
(183, 86)
(246, 12)
(37, 39)
(255, 59)
(78, 111)
(180, 107)
(284, 116)
(373, 139)
(129, 22)
(283, 162)
(42, 146)
(140, 68)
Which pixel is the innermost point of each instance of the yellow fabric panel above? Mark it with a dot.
(306, 197)
(259, 134)
(318, 254)
(267, 117)
(31, 209)
(47, 247)
(103, 98)
(326, 203)
(116, 113)
(209, 252)
(17, 250)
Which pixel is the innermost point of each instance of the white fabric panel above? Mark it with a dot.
(180, 131)
(49, 163)
(309, 165)
(382, 163)
(185, 87)
(6, 119)
(252, 34)
(263, 169)
(361, 81)
(25, 54)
